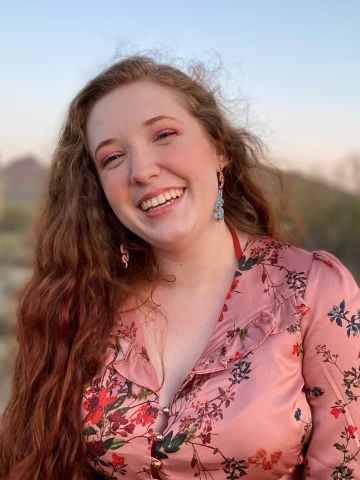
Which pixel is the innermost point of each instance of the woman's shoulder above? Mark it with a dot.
(286, 280)
(287, 259)
(277, 253)
(275, 269)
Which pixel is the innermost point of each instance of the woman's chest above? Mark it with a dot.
(249, 418)
(175, 349)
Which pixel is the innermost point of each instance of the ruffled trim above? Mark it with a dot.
(134, 364)
(240, 341)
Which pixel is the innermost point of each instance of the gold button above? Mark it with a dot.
(159, 437)
(164, 411)
(156, 463)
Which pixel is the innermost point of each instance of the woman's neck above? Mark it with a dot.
(196, 264)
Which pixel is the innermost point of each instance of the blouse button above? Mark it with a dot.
(164, 411)
(156, 464)
(159, 437)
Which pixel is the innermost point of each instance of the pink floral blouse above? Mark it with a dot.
(275, 395)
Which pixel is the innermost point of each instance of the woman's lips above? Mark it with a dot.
(161, 200)
(164, 208)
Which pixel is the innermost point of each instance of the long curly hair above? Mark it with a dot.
(68, 308)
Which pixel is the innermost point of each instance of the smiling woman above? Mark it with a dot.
(141, 155)
(167, 331)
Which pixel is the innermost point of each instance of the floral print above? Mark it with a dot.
(277, 386)
(261, 458)
(351, 380)
(307, 425)
(339, 315)
(95, 405)
(343, 470)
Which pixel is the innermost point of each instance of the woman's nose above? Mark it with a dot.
(143, 167)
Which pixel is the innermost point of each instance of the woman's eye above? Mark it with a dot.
(166, 134)
(112, 158)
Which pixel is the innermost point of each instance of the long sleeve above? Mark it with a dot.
(331, 370)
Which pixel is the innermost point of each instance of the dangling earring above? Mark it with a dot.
(220, 201)
(125, 255)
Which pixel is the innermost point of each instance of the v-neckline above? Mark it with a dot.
(218, 331)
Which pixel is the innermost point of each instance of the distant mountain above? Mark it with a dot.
(25, 180)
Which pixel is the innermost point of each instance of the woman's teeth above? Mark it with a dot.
(165, 198)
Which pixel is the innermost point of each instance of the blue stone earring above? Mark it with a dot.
(220, 201)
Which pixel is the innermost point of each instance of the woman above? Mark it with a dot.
(166, 331)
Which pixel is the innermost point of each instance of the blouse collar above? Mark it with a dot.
(249, 315)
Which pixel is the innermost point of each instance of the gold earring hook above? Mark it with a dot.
(221, 177)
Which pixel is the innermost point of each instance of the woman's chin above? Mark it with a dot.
(175, 236)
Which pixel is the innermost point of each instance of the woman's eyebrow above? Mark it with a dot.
(104, 143)
(151, 121)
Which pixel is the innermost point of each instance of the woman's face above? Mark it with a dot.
(155, 163)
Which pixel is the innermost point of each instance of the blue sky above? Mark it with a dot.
(297, 64)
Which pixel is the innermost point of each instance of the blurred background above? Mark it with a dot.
(294, 65)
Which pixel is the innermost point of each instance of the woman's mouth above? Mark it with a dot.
(162, 200)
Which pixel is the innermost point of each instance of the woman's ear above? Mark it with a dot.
(221, 156)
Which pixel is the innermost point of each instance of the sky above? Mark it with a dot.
(294, 64)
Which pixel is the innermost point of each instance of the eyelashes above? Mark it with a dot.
(117, 156)
(111, 158)
(165, 134)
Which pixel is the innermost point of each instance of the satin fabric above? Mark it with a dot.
(273, 396)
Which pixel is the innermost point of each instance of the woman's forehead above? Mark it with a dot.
(135, 101)
(130, 106)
